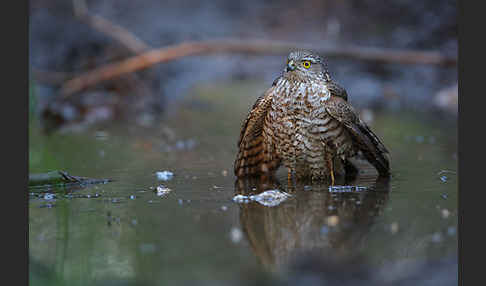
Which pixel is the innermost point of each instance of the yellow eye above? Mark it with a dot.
(306, 64)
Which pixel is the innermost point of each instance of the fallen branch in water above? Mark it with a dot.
(173, 52)
(61, 179)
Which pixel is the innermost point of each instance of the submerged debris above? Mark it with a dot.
(61, 179)
(346, 189)
(82, 196)
(49, 196)
(268, 198)
(164, 175)
(241, 199)
(443, 177)
(162, 190)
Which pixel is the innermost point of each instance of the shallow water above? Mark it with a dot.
(125, 232)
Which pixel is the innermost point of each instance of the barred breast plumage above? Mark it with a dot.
(302, 131)
(305, 123)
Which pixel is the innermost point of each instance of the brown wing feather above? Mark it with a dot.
(337, 90)
(366, 141)
(252, 157)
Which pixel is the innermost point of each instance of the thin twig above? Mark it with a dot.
(177, 51)
(120, 34)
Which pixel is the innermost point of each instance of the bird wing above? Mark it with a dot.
(337, 90)
(250, 143)
(366, 141)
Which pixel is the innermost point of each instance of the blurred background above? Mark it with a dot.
(125, 89)
(69, 38)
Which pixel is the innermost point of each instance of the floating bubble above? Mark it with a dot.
(49, 196)
(162, 191)
(445, 213)
(241, 199)
(236, 234)
(164, 175)
(268, 198)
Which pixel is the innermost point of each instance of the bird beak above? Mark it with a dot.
(290, 66)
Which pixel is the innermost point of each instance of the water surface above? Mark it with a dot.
(124, 233)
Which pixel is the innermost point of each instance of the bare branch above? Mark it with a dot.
(169, 53)
(120, 34)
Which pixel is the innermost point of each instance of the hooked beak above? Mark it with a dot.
(290, 66)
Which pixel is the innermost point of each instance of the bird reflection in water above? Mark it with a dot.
(314, 220)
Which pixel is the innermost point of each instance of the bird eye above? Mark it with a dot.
(306, 64)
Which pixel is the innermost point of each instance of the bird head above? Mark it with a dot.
(306, 65)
